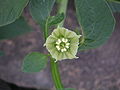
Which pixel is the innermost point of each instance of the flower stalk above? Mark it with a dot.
(54, 65)
(62, 9)
(55, 74)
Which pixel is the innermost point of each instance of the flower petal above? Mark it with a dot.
(70, 55)
(73, 49)
(74, 40)
(51, 39)
(55, 54)
(69, 42)
(56, 33)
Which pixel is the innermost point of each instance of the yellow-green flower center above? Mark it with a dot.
(62, 44)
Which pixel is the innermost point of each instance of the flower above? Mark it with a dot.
(62, 44)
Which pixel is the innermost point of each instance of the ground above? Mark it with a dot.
(96, 69)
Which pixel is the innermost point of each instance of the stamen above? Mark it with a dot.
(65, 49)
(58, 42)
(67, 44)
(62, 43)
(63, 39)
(66, 40)
(62, 50)
(58, 47)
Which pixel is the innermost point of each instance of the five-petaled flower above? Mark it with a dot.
(62, 44)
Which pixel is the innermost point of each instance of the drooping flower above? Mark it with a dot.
(62, 44)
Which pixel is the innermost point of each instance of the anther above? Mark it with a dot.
(62, 50)
(58, 41)
(66, 40)
(58, 47)
(65, 49)
(63, 39)
(67, 44)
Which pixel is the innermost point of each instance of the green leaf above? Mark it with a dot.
(114, 6)
(117, 1)
(96, 20)
(67, 89)
(40, 10)
(19, 27)
(53, 20)
(34, 62)
(1, 53)
(10, 10)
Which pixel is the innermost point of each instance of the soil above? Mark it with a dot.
(96, 69)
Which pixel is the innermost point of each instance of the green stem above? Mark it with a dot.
(62, 9)
(53, 64)
(55, 74)
(46, 30)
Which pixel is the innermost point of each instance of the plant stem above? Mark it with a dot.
(62, 9)
(54, 66)
(55, 74)
(46, 30)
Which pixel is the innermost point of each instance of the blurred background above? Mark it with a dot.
(96, 69)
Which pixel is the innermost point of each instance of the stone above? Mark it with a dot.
(96, 69)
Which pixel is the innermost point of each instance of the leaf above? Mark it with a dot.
(34, 62)
(10, 10)
(1, 53)
(114, 6)
(67, 89)
(19, 27)
(96, 20)
(117, 1)
(40, 10)
(53, 20)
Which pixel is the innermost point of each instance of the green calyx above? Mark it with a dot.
(62, 44)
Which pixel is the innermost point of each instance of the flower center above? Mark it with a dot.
(62, 44)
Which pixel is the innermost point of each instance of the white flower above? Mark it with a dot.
(62, 44)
